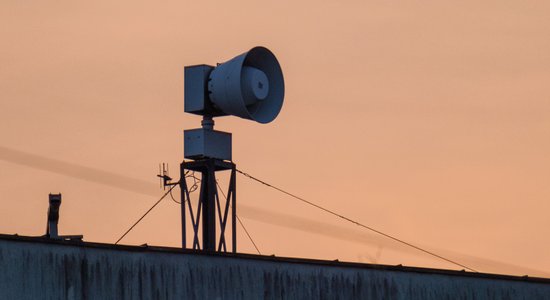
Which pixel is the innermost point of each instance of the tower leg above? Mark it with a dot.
(233, 199)
(183, 197)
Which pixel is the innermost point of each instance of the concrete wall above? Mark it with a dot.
(38, 270)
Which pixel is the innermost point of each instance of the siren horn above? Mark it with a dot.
(250, 86)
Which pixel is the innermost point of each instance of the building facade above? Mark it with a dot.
(39, 268)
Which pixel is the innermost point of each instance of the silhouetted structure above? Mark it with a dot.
(40, 268)
(249, 86)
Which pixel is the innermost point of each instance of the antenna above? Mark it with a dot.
(160, 176)
(164, 177)
(249, 86)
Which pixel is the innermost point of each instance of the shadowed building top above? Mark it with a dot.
(40, 268)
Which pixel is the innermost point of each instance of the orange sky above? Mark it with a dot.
(428, 120)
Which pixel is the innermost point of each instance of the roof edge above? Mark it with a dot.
(272, 258)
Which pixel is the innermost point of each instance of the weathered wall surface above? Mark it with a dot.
(30, 270)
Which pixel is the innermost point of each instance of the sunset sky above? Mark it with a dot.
(427, 120)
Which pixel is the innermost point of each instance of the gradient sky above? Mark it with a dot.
(428, 120)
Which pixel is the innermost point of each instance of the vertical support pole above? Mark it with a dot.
(203, 200)
(209, 204)
(233, 200)
(183, 189)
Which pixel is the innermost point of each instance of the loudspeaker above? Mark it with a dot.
(250, 86)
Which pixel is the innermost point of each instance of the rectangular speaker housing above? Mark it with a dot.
(196, 100)
(206, 143)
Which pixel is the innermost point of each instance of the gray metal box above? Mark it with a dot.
(196, 100)
(206, 143)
